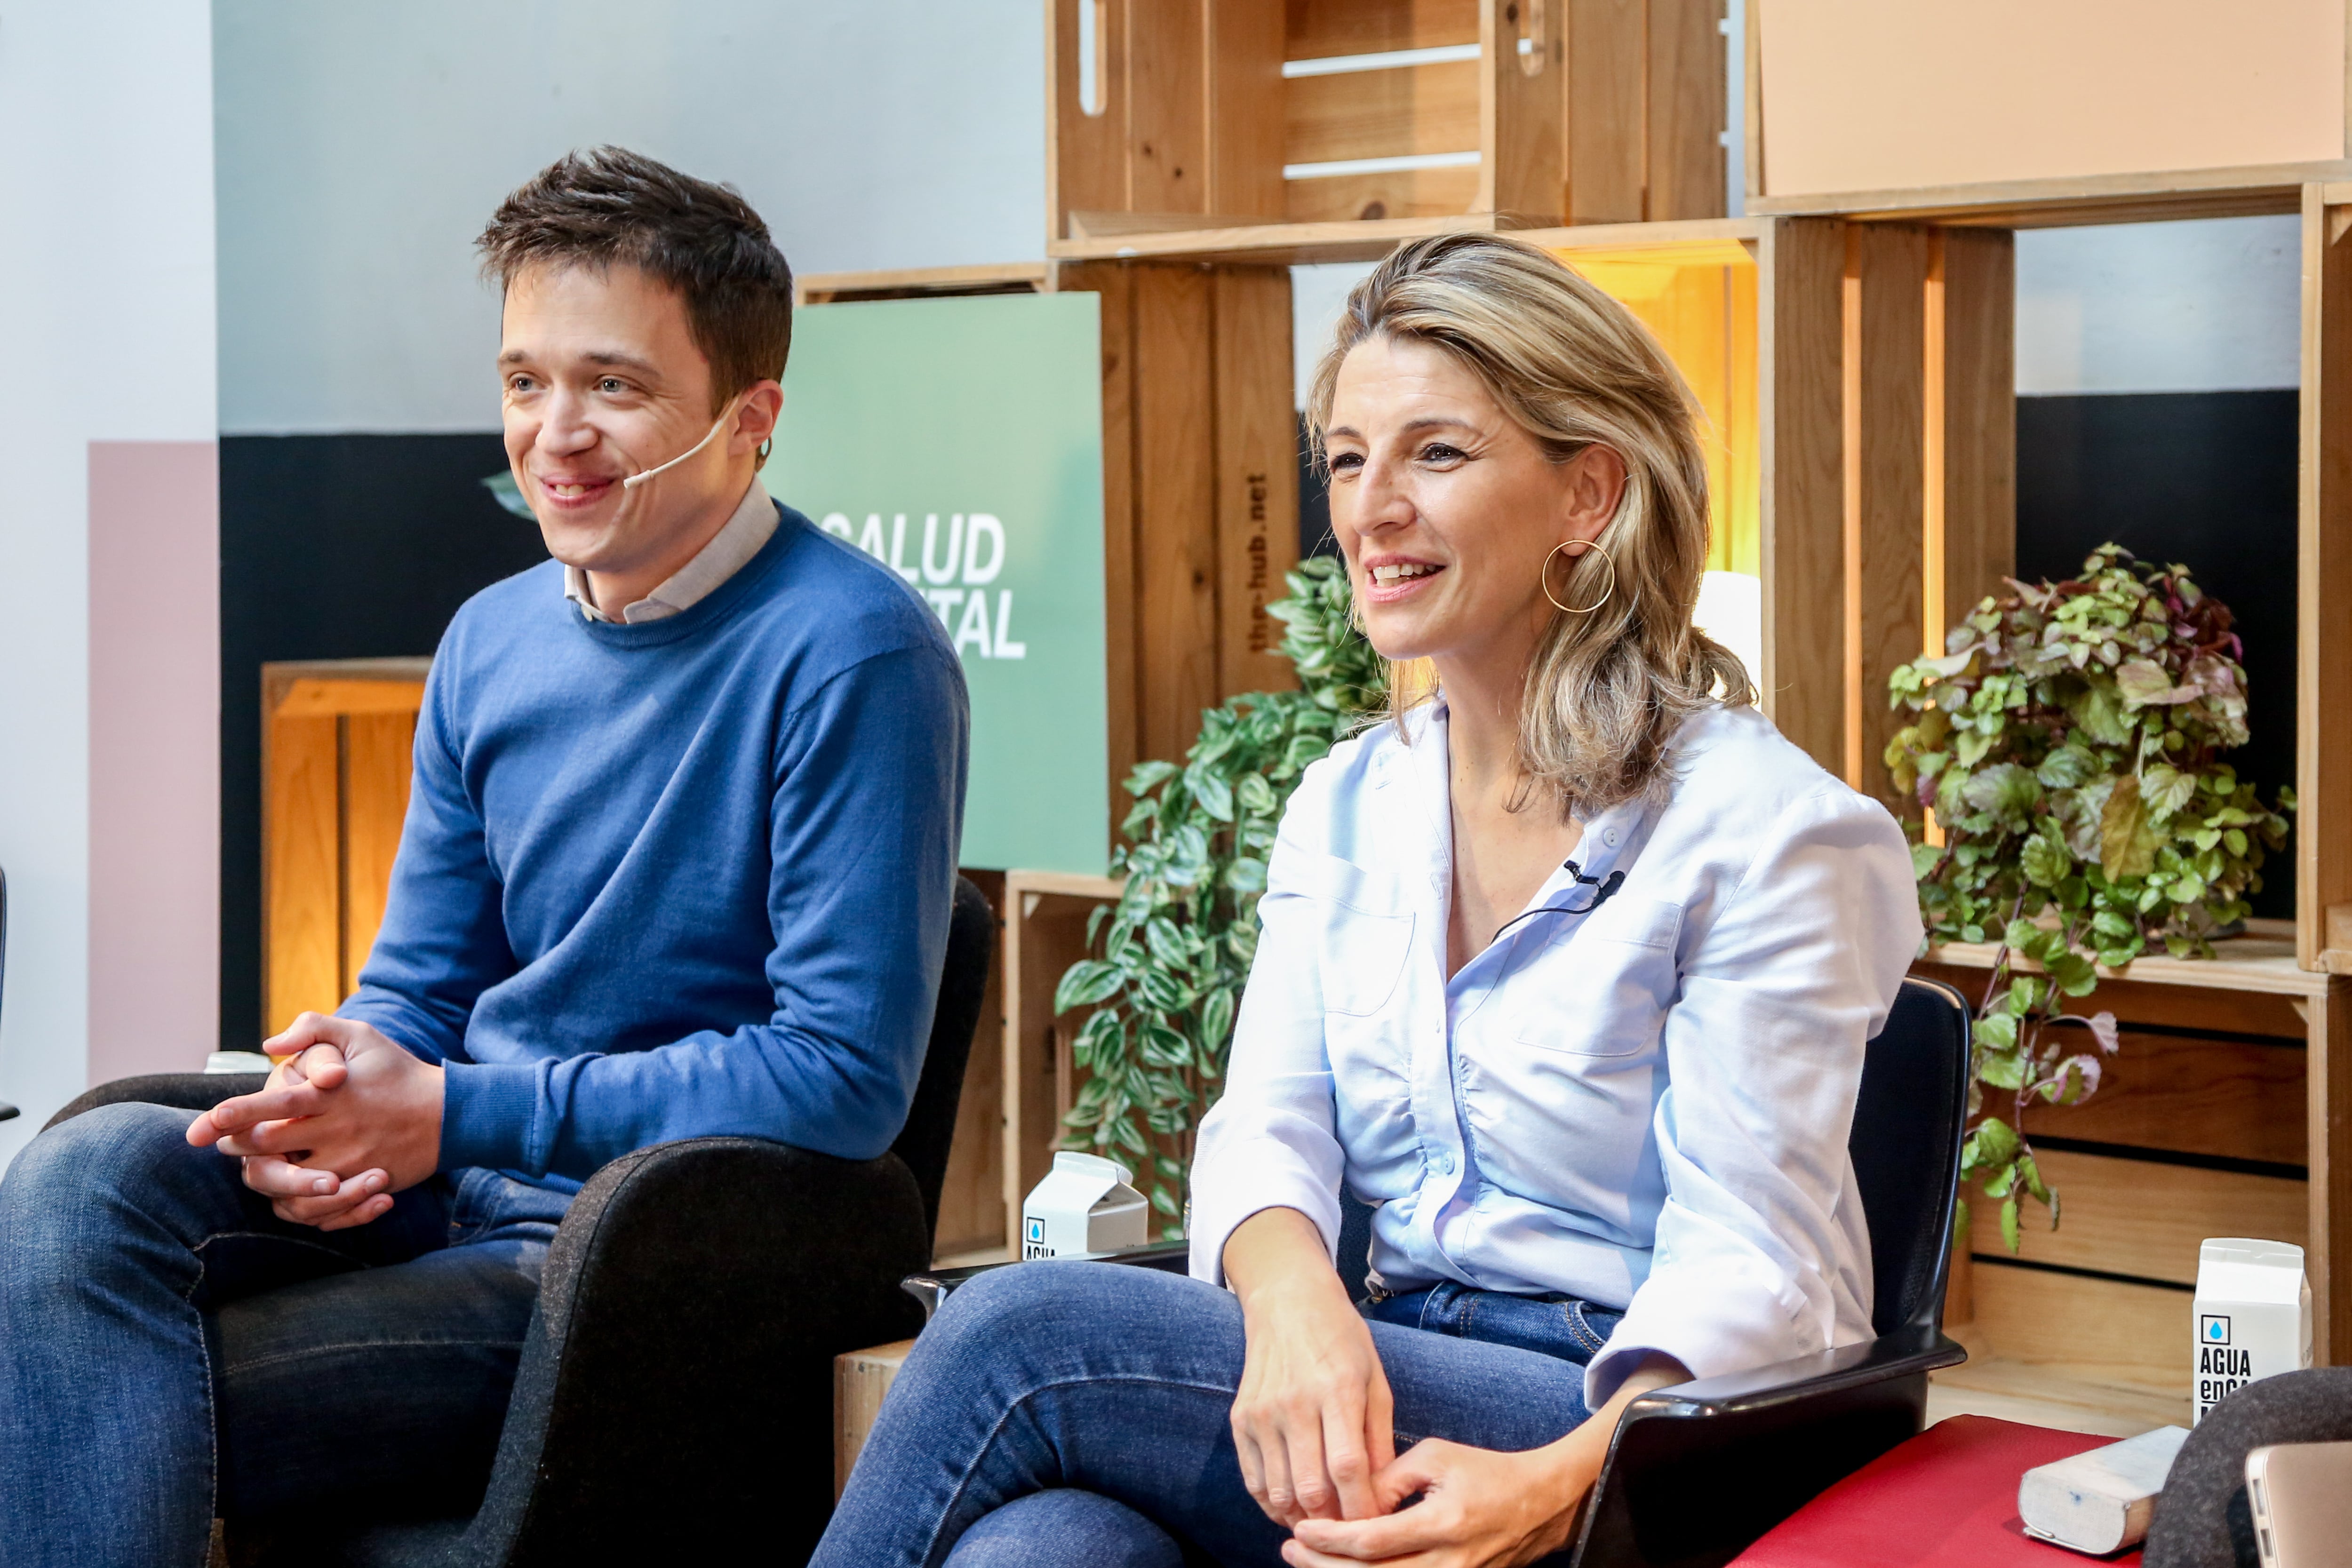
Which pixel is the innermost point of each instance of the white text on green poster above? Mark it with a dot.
(960, 442)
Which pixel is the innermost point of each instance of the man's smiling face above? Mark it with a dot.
(602, 379)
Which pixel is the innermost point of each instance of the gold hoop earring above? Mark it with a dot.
(1606, 594)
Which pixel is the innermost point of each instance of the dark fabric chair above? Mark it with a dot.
(675, 1398)
(2201, 1519)
(1698, 1471)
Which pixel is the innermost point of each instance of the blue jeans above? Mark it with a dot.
(170, 1350)
(1075, 1416)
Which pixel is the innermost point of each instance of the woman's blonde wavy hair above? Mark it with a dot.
(1606, 691)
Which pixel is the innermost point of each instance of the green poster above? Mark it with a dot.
(960, 441)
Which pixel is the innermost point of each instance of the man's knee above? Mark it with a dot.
(110, 1150)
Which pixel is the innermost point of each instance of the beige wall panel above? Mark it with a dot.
(1870, 95)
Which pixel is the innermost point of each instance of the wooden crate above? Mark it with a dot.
(1193, 114)
(1046, 917)
(335, 761)
(2214, 1120)
(2014, 112)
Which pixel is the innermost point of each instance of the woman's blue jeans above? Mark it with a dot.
(169, 1349)
(1067, 1415)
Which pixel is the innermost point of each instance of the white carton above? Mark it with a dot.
(2253, 1315)
(1084, 1205)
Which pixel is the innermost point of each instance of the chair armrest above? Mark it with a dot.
(675, 1395)
(180, 1091)
(8, 1112)
(933, 1287)
(1698, 1471)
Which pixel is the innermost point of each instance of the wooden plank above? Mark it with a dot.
(1522, 107)
(378, 748)
(1976, 488)
(2141, 1217)
(1398, 193)
(1257, 474)
(2329, 1112)
(300, 933)
(2226, 1098)
(1086, 154)
(2163, 195)
(1409, 110)
(1886, 480)
(2324, 578)
(1607, 114)
(1686, 109)
(1292, 244)
(1115, 283)
(1046, 933)
(1244, 107)
(2180, 1005)
(2103, 1329)
(314, 698)
(971, 1194)
(1175, 510)
(1326, 29)
(861, 1380)
(919, 282)
(1167, 107)
(1800, 338)
(2263, 963)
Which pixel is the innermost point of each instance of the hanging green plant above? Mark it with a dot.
(2069, 743)
(1177, 945)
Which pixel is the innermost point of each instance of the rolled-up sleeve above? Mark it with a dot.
(1754, 1249)
(1271, 1142)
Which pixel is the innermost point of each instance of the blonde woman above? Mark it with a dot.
(1566, 970)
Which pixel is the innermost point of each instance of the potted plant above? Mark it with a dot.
(2068, 745)
(1177, 945)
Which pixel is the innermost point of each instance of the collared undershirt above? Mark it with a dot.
(753, 524)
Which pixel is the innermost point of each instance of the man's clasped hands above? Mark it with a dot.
(347, 1119)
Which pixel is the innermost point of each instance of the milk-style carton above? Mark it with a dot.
(1084, 1205)
(2252, 1316)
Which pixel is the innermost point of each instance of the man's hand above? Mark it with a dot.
(1311, 1419)
(347, 1120)
(1478, 1508)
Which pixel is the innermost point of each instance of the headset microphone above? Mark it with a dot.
(634, 480)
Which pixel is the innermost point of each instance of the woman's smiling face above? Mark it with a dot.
(1446, 508)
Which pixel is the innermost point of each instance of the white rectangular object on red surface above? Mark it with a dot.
(2099, 1501)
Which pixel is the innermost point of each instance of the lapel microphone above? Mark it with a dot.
(634, 480)
(1607, 890)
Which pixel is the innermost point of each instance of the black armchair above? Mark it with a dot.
(1698, 1471)
(675, 1397)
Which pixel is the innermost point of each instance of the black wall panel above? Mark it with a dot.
(2206, 479)
(333, 547)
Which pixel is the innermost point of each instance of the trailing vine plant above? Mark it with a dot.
(2069, 743)
(1177, 945)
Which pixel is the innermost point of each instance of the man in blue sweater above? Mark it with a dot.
(678, 860)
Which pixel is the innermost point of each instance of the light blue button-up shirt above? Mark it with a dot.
(1646, 1106)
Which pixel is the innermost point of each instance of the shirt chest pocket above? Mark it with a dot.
(1365, 937)
(1603, 989)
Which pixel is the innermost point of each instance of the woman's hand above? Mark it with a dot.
(1478, 1508)
(1311, 1421)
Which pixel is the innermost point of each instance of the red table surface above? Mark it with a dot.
(1946, 1499)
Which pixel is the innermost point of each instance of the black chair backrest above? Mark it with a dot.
(1905, 1147)
(930, 1123)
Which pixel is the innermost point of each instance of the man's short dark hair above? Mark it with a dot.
(609, 205)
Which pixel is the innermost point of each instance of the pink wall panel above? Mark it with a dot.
(154, 756)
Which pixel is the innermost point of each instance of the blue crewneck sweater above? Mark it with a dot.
(685, 877)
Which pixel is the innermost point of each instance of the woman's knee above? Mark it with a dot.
(1065, 1528)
